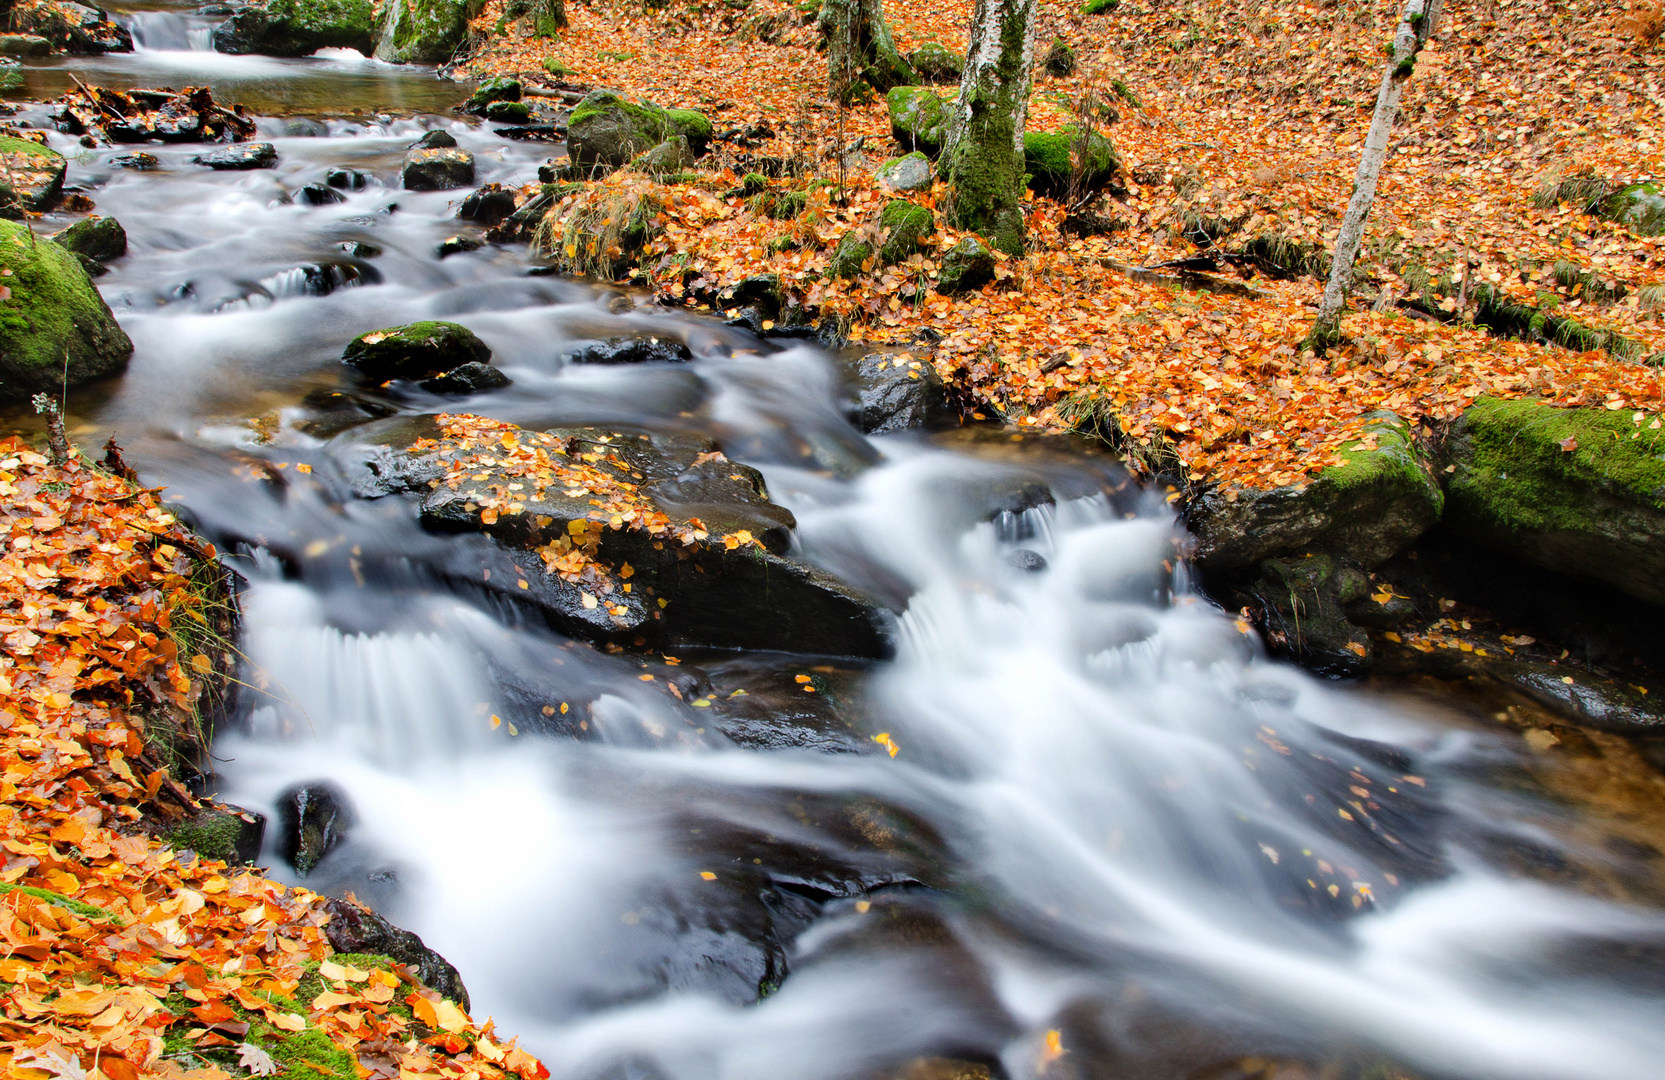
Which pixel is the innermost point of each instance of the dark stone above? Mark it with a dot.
(456, 245)
(319, 195)
(523, 222)
(748, 318)
(760, 291)
(97, 238)
(260, 155)
(436, 139)
(1298, 605)
(1582, 697)
(534, 133)
(353, 928)
(508, 112)
(219, 831)
(74, 28)
(892, 394)
(966, 267)
(1060, 59)
(137, 160)
(498, 88)
(298, 28)
(414, 350)
(313, 819)
(358, 249)
(437, 169)
(304, 127)
(488, 205)
(468, 379)
(635, 350)
(347, 179)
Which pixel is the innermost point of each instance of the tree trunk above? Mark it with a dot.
(1408, 40)
(984, 152)
(860, 48)
(549, 16)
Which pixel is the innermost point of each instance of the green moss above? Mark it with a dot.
(305, 1055)
(906, 225)
(847, 258)
(690, 123)
(426, 31)
(559, 70)
(965, 266)
(508, 112)
(754, 183)
(1639, 208)
(1099, 7)
(1049, 159)
(300, 27)
(497, 88)
(31, 176)
(54, 326)
(85, 910)
(918, 118)
(212, 835)
(1395, 461)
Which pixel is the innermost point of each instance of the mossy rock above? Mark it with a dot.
(691, 125)
(94, 237)
(508, 112)
(1299, 603)
(910, 172)
(31, 176)
(666, 160)
(906, 225)
(608, 129)
(1369, 508)
(1099, 7)
(24, 45)
(1060, 59)
(495, 89)
(1047, 156)
(966, 266)
(1577, 491)
(555, 68)
(936, 64)
(1639, 208)
(849, 258)
(230, 835)
(918, 118)
(299, 28)
(425, 31)
(415, 350)
(55, 329)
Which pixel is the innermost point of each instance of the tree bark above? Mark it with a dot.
(860, 48)
(984, 150)
(549, 16)
(1415, 26)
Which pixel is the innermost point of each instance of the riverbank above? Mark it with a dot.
(130, 954)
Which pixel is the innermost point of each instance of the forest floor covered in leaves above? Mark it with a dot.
(1239, 126)
(125, 955)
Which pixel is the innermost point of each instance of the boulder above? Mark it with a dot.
(1578, 491)
(228, 833)
(607, 129)
(470, 378)
(893, 393)
(1383, 497)
(424, 31)
(354, 928)
(437, 169)
(260, 155)
(632, 350)
(1060, 59)
(1299, 605)
(669, 157)
(54, 326)
(1639, 208)
(74, 28)
(313, 819)
(31, 177)
(1582, 697)
(492, 90)
(95, 237)
(918, 118)
(910, 172)
(631, 538)
(902, 228)
(457, 245)
(414, 351)
(316, 194)
(935, 64)
(299, 27)
(965, 267)
(435, 138)
(139, 115)
(24, 45)
(508, 112)
(487, 205)
(1048, 157)
(347, 179)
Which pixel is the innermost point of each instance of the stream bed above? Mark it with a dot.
(1077, 826)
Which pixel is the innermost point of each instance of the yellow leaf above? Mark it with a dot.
(708, 875)
(201, 663)
(286, 1021)
(449, 1017)
(329, 999)
(586, 599)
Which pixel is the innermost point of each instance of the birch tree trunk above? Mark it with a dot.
(1415, 26)
(860, 47)
(983, 155)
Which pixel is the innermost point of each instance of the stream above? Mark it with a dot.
(1107, 815)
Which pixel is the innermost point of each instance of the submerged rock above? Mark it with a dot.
(632, 350)
(893, 393)
(488, 205)
(298, 27)
(636, 538)
(316, 194)
(470, 378)
(1299, 604)
(354, 928)
(1578, 491)
(99, 238)
(414, 350)
(457, 245)
(347, 179)
(313, 819)
(437, 168)
(260, 155)
(31, 176)
(55, 329)
(1583, 698)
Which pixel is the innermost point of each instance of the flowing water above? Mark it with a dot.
(1108, 815)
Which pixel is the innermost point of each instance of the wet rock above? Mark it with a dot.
(100, 238)
(298, 28)
(457, 245)
(704, 546)
(1299, 603)
(415, 350)
(760, 291)
(893, 394)
(910, 172)
(354, 928)
(966, 267)
(424, 31)
(437, 169)
(55, 328)
(31, 176)
(1030, 562)
(491, 91)
(1577, 491)
(1582, 697)
(74, 28)
(487, 205)
(358, 249)
(1368, 508)
(521, 224)
(607, 129)
(434, 139)
(472, 378)
(303, 127)
(918, 118)
(262, 155)
(334, 411)
(228, 833)
(312, 820)
(632, 350)
(508, 112)
(138, 116)
(139, 160)
(24, 45)
(669, 157)
(316, 194)
(347, 179)
(935, 64)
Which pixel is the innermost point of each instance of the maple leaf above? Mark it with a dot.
(257, 1061)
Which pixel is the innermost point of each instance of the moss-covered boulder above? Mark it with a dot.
(1577, 491)
(1099, 7)
(966, 266)
(918, 118)
(228, 833)
(414, 351)
(509, 112)
(901, 229)
(671, 156)
(55, 329)
(24, 45)
(424, 31)
(910, 172)
(1299, 605)
(1639, 208)
(935, 64)
(74, 28)
(1370, 507)
(608, 129)
(94, 237)
(495, 89)
(1049, 157)
(31, 176)
(299, 27)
